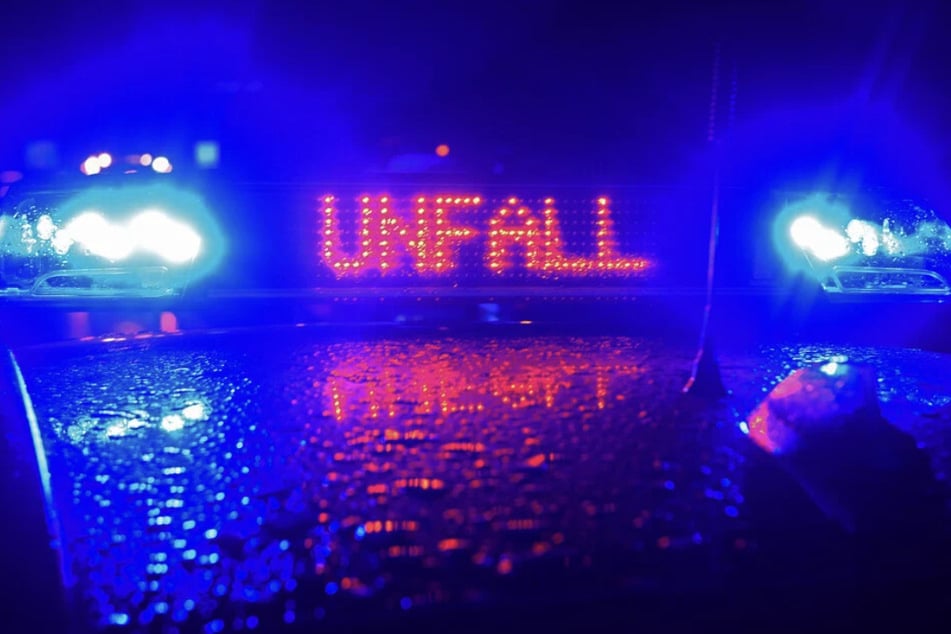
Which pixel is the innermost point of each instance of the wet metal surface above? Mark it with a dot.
(237, 482)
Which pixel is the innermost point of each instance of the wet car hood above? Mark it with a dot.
(288, 476)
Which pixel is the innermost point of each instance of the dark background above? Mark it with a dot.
(306, 98)
(531, 90)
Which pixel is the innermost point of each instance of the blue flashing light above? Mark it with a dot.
(897, 252)
(151, 230)
(866, 235)
(136, 240)
(173, 225)
(814, 227)
(812, 236)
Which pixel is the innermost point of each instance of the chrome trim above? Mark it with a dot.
(833, 281)
(155, 286)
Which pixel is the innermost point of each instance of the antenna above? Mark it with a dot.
(705, 377)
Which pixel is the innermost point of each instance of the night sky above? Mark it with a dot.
(533, 91)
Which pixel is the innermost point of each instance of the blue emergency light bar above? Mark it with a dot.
(132, 241)
(849, 255)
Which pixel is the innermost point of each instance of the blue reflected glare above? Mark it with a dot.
(373, 471)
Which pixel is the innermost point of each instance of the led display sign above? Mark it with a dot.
(438, 236)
